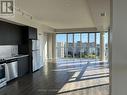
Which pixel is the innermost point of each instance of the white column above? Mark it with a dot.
(54, 48)
(49, 45)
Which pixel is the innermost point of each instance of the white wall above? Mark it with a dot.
(42, 30)
(119, 48)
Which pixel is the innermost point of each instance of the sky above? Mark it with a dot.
(62, 37)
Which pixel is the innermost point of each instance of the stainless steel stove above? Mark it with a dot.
(2, 73)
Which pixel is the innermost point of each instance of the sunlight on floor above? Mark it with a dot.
(93, 81)
(75, 74)
(72, 64)
(96, 71)
(77, 85)
(68, 69)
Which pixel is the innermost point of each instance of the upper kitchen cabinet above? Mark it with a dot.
(13, 34)
(32, 33)
(27, 33)
(10, 34)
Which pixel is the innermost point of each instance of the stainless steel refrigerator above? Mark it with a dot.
(36, 56)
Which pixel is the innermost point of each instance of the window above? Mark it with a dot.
(92, 42)
(80, 45)
(60, 45)
(84, 50)
(97, 45)
(77, 45)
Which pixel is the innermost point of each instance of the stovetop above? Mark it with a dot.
(2, 60)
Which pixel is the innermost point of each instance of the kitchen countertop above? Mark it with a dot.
(13, 57)
(16, 57)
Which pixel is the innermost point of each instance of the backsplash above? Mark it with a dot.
(8, 51)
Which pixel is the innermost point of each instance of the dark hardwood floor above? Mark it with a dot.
(63, 78)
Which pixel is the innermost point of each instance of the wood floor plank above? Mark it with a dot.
(63, 79)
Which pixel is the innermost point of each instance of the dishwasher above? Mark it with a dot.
(11, 69)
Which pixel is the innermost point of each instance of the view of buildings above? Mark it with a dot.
(80, 49)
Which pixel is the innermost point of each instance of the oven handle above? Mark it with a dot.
(2, 64)
(12, 60)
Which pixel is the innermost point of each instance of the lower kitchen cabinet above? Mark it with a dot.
(23, 66)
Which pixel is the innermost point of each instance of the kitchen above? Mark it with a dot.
(19, 51)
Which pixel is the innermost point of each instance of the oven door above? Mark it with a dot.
(2, 73)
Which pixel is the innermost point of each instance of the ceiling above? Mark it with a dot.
(63, 14)
(96, 8)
